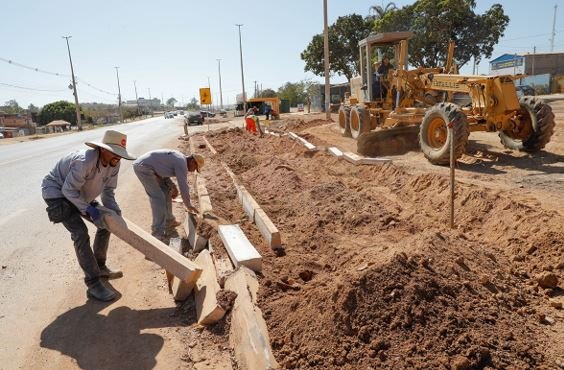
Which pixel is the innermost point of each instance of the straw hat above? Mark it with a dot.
(199, 160)
(114, 142)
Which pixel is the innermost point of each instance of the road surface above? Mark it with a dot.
(42, 294)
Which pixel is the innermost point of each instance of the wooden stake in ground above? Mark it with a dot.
(452, 163)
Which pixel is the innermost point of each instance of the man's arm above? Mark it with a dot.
(108, 194)
(74, 182)
(181, 173)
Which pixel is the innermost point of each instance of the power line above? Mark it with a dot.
(14, 63)
(29, 88)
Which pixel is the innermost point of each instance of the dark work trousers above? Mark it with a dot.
(90, 260)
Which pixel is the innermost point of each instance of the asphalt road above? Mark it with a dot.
(37, 265)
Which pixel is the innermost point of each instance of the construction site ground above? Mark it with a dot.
(372, 276)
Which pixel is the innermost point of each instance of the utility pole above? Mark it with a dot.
(242, 74)
(255, 82)
(137, 97)
(553, 29)
(119, 96)
(220, 93)
(326, 60)
(163, 102)
(78, 122)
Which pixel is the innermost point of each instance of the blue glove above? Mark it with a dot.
(96, 217)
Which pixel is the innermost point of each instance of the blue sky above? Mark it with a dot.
(171, 47)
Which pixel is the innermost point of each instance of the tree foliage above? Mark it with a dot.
(344, 36)
(475, 34)
(59, 110)
(380, 11)
(11, 107)
(171, 101)
(293, 92)
(193, 105)
(268, 93)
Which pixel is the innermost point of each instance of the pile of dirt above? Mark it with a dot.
(374, 278)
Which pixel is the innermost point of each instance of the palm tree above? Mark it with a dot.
(380, 11)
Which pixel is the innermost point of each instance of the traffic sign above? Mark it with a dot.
(205, 96)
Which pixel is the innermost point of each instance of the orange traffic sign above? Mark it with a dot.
(205, 96)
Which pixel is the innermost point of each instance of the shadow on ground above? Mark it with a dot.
(112, 341)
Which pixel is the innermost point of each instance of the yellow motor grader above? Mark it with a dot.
(409, 109)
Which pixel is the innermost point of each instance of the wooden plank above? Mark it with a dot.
(208, 311)
(267, 228)
(335, 151)
(239, 248)
(157, 251)
(248, 335)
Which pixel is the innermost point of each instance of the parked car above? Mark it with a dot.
(168, 115)
(300, 107)
(525, 90)
(194, 118)
(206, 113)
(1, 135)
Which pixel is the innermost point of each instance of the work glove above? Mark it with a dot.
(96, 217)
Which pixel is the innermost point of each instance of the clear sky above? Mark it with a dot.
(171, 47)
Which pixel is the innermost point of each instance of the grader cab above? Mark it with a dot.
(410, 109)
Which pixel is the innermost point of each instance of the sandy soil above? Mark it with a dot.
(372, 277)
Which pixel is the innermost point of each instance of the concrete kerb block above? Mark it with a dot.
(267, 229)
(239, 248)
(359, 160)
(210, 147)
(303, 141)
(335, 152)
(250, 205)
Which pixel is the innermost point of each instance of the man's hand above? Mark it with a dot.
(193, 210)
(96, 217)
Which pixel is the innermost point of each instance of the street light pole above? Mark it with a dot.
(220, 93)
(326, 60)
(136, 97)
(78, 122)
(242, 74)
(119, 96)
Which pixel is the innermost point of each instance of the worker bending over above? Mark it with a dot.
(154, 169)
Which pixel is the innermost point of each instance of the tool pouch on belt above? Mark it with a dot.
(58, 210)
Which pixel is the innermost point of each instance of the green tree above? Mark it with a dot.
(293, 92)
(381, 11)
(62, 110)
(475, 34)
(193, 105)
(344, 36)
(171, 101)
(268, 93)
(12, 107)
(32, 108)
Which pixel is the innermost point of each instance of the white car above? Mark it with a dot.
(1, 135)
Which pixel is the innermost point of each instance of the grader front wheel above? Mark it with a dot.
(344, 121)
(359, 122)
(434, 136)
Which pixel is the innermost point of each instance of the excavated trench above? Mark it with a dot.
(372, 277)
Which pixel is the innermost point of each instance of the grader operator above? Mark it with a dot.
(408, 109)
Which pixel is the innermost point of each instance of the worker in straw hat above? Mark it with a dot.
(155, 169)
(70, 191)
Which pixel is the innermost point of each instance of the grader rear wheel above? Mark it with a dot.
(434, 137)
(344, 118)
(359, 121)
(535, 128)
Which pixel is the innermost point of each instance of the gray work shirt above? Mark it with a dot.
(80, 177)
(168, 163)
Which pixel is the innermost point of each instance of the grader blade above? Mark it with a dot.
(392, 141)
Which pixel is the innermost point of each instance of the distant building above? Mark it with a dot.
(12, 125)
(544, 71)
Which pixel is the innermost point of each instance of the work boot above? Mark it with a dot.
(100, 292)
(172, 224)
(105, 272)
